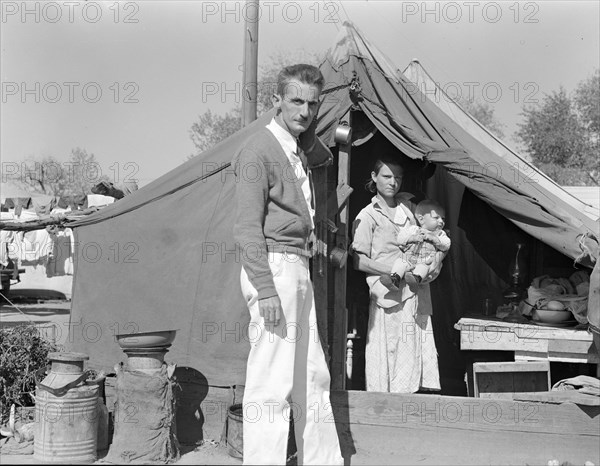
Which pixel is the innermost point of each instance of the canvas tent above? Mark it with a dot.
(588, 195)
(426, 84)
(164, 257)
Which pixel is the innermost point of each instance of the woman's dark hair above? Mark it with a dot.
(380, 162)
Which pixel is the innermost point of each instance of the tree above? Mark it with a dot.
(566, 176)
(55, 178)
(561, 134)
(484, 114)
(210, 129)
(267, 84)
(587, 101)
(552, 132)
(86, 172)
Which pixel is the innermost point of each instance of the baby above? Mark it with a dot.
(425, 245)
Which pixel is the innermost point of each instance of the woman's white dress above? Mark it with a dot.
(400, 354)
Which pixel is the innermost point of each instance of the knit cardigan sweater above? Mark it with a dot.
(271, 212)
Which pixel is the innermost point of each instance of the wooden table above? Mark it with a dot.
(527, 341)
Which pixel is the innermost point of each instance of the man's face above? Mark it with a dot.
(298, 106)
(432, 221)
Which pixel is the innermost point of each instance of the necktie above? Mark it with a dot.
(304, 161)
(302, 157)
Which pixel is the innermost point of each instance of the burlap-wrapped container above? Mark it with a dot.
(145, 429)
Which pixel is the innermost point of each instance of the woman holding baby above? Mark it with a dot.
(400, 354)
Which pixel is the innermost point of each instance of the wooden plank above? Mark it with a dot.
(509, 366)
(583, 351)
(336, 201)
(319, 263)
(529, 348)
(528, 332)
(531, 356)
(573, 351)
(558, 397)
(469, 325)
(400, 445)
(573, 357)
(501, 341)
(557, 357)
(571, 346)
(390, 428)
(340, 330)
(437, 412)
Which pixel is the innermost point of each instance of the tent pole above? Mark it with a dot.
(340, 312)
(250, 72)
(320, 265)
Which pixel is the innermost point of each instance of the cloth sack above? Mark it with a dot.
(144, 426)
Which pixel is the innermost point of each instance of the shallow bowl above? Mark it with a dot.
(146, 339)
(551, 317)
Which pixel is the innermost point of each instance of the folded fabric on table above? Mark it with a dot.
(581, 383)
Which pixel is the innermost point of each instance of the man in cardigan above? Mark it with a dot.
(286, 372)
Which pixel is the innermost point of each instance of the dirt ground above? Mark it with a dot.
(51, 315)
(203, 455)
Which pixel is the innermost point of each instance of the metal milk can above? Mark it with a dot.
(66, 412)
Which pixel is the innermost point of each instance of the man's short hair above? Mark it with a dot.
(426, 206)
(308, 74)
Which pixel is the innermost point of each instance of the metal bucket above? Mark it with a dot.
(235, 430)
(66, 413)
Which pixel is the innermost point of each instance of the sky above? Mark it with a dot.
(126, 80)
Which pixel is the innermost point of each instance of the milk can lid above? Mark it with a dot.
(67, 356)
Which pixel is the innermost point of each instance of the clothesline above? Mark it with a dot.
(60, 219)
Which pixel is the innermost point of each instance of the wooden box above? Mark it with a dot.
(502, 379)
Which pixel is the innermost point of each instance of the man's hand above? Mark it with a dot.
(270, 310)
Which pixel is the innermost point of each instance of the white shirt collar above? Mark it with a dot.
(287, 141)
(401, 215)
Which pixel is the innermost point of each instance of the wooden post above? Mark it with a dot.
(340, 319)
(249, 89)
(320, 266)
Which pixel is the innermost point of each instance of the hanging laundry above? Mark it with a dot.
(60, 261)
(27, 215)
(8, 243)
(36, 247)
(98, 200)
(43, 205)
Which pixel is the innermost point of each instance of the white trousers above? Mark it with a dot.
(287, 369)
